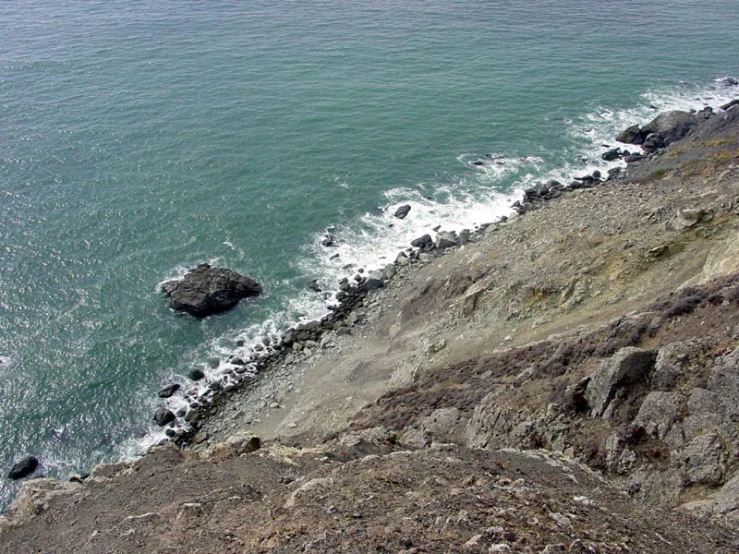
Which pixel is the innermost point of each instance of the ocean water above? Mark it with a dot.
(140, 138)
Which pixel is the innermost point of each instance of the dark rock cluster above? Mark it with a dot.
(208, 290)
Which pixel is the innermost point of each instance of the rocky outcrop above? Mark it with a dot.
(628, 366)
(208, 290)
(665, 129)
(658, 420)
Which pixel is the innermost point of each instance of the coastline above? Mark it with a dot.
(370, 324)
(483, 347)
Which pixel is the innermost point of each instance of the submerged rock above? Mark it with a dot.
(23, 468)
(208, 290)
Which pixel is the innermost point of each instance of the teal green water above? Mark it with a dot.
(141, 138)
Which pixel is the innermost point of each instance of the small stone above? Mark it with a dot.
(169, 390)
(561, 520)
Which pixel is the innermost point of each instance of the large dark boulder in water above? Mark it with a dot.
(23, 468)
(163, 417)
(402, 211)
(208, 290)
(667, 128)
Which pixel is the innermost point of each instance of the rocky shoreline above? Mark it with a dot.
(563, 380)
(353, 294)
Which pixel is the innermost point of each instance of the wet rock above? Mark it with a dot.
(730, 104)
(196, 374)
(402, 211)
(169, 390)
(632, 135)
(208, 290)
(329, 240)
(23, 468)
(422, 241)
(627, 366)
(313, 285)
(729, 82)
(611, 155)
(163, 416)
(667, 128)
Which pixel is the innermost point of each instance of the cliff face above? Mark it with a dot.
(566, 382)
